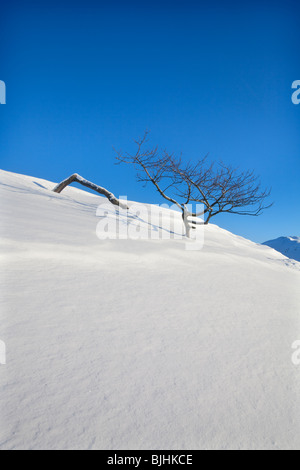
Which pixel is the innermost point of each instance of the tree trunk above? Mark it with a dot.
(104, 192)
(190, 221)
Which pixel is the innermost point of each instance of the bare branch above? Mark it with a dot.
(78, 179)
(219, 187)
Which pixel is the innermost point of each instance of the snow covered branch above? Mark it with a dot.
(78, 179)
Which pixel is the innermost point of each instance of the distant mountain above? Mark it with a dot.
(288, 246)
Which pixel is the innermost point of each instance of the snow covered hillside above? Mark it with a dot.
(140, 344)
(288, 246)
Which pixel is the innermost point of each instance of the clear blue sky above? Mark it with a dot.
(203, 77)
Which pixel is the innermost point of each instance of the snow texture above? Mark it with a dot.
(140, 344)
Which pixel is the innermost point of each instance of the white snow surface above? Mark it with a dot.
(288, 246)
(140, 344)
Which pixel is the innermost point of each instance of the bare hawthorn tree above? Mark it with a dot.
(219, 187)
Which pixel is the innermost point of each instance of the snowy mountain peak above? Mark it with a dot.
(288, 246)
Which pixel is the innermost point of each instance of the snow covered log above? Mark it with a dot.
(78, 179)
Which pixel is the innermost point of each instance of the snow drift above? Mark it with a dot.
(140, 344)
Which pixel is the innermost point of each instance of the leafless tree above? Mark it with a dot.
(219, 187)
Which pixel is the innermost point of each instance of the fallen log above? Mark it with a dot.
(75, 178)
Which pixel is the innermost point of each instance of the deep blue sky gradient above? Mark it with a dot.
(203, 77)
